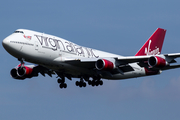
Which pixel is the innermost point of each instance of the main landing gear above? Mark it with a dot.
(61, 79)
(94, 82)
(81, 83)
(62, 83)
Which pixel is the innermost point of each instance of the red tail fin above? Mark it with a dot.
(154, 44)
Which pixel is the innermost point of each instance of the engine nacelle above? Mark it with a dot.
(22, 72)
(14, 74)
(155, 61)
(103, 64)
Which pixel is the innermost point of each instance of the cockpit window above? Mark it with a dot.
(18, 32)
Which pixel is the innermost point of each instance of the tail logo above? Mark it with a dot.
(148, 50)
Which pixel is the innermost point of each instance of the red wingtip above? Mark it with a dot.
(154, 44)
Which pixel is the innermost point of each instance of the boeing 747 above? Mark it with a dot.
(54, 55)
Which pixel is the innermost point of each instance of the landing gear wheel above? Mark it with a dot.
(60, 80)
(93, 84)
(77, 83)
(90, 82)
(63, 85)
(80, 85)
(84, 84)
(100, 82)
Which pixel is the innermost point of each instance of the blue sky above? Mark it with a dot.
(115, 26)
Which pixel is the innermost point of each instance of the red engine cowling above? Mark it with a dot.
(103, 64)
(22, 72)
(156, 61)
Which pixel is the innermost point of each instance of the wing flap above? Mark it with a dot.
(170, 67)
(174, 55)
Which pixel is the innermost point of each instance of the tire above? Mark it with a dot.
(60, 81)
(101, 82)
(77, 83)
(97, 83)
(65, 85)
(90, 82)
(80, 84)
(84, 84)
(61, 85)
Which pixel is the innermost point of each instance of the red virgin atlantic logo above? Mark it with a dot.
(148, 50)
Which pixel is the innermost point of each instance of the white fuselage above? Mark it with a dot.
(53, 52)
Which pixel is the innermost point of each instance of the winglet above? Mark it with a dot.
(154, 44)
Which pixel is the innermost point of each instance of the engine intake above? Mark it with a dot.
(24, 71)
(103, 64)
(155, 61)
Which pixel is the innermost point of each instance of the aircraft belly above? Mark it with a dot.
(70, 69)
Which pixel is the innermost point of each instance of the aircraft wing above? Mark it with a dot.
(131, 59)
(43, 70)
(173, 55)
(141, 60)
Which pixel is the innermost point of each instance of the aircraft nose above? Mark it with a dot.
(5, 43)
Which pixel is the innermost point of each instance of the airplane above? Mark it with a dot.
(56, 56)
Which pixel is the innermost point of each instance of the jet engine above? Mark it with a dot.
(22, 72)
(155, 61)
(103, 64)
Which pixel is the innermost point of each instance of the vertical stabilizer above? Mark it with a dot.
(154, 44)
